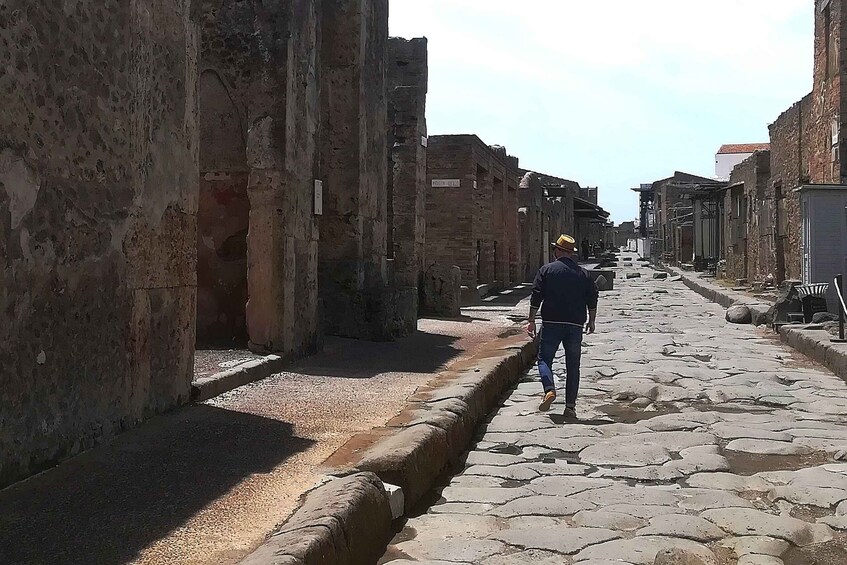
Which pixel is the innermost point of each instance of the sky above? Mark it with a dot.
(613, 93)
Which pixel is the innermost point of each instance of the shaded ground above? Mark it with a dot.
(206, 483)
(208, 362)
(692, 433)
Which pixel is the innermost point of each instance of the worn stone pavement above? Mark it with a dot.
(693, 433)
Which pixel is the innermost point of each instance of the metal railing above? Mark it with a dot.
(839, 284)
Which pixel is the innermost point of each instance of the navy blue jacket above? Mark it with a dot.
(565, 292)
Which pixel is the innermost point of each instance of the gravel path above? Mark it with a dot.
(206, 483)
(693, 434)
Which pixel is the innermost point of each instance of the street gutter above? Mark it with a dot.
(378, 477)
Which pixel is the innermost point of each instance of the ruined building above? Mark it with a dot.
(805, 149)
(213, 171)
(471, 209)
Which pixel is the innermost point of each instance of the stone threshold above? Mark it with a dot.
(248, 372)
(807, 339)
(379, 476)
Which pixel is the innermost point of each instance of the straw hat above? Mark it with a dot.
(566, 243)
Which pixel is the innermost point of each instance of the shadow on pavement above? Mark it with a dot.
(422, 352)
(109, 503)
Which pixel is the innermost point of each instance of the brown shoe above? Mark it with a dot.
(549, 398)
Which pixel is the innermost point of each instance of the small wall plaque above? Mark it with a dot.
(424, 141)
(446, 183)
(319, 198)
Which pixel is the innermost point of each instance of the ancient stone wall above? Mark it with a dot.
(512, 230)
(779, 211)
(825, 127)
(225, 67)
(450, 235)
(531, 201)
(355, 280)
(98, 197)
(742, 251)
(483, 216)
(407, 88)
(499, 235)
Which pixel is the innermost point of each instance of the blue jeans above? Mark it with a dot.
(571, 337)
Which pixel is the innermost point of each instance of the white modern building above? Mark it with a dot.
(729, 156)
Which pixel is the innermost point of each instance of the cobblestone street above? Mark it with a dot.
(693, 434)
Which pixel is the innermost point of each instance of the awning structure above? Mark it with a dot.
(585, 209)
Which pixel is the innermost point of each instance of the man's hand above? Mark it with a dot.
(530, 329)
(590, 327)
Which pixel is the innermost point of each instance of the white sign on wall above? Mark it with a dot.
(319, 198)
(424, 141)
(446, 183)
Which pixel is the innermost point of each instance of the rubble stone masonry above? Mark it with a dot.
(98, 197)
(742, 218)
(780, 220)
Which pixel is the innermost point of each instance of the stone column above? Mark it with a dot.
(354, 275)
(282, 312)
(407, 76)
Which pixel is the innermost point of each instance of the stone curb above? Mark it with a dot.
(348, 520)
(816, 345)
(436, 428)
(812, 343)
(725, 298)
(344, 521)
(246, 373)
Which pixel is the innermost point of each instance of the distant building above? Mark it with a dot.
(728, 156)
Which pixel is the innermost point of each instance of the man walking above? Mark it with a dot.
(567, 297)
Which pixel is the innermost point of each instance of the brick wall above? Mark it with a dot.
(450, 235)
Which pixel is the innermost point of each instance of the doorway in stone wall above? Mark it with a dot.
(223, 217)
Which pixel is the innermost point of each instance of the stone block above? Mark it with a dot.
(660, 275)
(346, 520)
(441, 292)
(739, 314)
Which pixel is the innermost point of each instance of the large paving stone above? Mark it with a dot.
(643, 550)
(483, 495)
(761, 545)
(749, 521)
(623, 494)
(624, 454)
(542, 506)
(677, 556)
(808, 495)
(643, 511)
(703, 499)
(676, 526)
(458, 549)
(527, 557)
(513, 472)
(606, 519)
(561, 540)
(767, 447)
(566, 486)
(727, 481)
